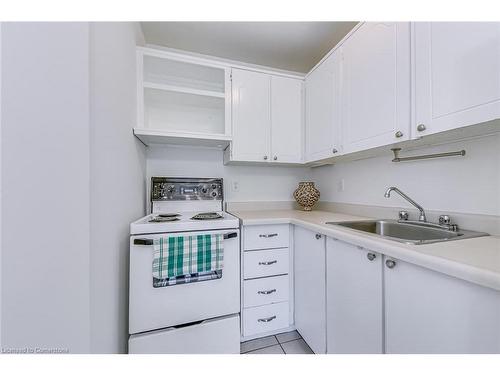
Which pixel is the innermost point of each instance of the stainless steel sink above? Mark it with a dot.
(412, 233)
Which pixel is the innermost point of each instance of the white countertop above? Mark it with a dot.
(475, 259)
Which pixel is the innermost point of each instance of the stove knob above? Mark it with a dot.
(204, 189)
(171, 189)
(214, 186)
(214, 194)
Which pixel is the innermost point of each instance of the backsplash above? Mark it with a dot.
(255, 183)
(467, 184)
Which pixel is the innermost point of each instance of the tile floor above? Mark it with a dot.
(284, 343)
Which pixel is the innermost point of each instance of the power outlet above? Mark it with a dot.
(235, 186)
(341, 186)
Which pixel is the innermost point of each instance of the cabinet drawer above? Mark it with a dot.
(266, 236)
(192, 339)
(263, 263)
(265, 318)
(264, 291)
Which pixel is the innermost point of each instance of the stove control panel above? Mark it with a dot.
(181, 189)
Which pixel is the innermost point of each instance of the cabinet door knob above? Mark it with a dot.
(421, 127)
(275, 158)
(318, 236)
(265, 157)
(398, 134)
(371, 256)
(334, 151)
(390, 263)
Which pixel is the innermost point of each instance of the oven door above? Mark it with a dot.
(154, 308)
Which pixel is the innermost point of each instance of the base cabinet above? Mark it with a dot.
(354, 299)
(429, 312)
(310, 304)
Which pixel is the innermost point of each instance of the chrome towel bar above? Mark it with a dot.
(397, 159)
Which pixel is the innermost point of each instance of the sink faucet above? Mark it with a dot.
(419, 207)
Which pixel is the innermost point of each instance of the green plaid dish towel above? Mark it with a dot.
(184, 255)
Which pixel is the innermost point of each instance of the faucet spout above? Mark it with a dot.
(422, 216)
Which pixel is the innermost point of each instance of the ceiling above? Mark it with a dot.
(295, 46)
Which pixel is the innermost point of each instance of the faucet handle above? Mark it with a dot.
(403, 215)
(444, 220)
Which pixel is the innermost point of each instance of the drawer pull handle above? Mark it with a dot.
(268, 235)
(266, 291)
(265, 320)
(267, 263)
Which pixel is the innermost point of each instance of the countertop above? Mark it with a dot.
(475, 259)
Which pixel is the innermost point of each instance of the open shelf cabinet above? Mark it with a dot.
(182, 100)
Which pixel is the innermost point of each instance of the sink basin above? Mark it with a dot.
(411, 233)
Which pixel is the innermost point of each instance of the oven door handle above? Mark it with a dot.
(143, 241)
(149, 241)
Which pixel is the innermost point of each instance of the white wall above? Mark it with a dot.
(72, 179)
(1, 185)
(117, 180)
(467, 184)
(45, 186)
(256, 183)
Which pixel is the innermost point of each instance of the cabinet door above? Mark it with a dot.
(457, 71)
(376, 86)
(251, 116)
(354, 299)
(322, 110)
(286, 120)
(429, 312)
(310, 304)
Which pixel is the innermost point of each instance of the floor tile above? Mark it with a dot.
(296, 347)
(288, 336)
(257, 343)
(275, 349)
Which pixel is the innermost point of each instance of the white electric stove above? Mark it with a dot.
(197, 313)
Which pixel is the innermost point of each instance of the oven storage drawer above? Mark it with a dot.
(214, 336)
(266, 290)
(265, 318)
(266, 236)
(263, 263)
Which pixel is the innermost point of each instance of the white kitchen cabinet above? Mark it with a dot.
(182, 100)
(354, 299)
(429, 312)
(286, 120)
(266, 306)
(267, 118)
(309, 273)
(251, 116)
(323, 110)
(375, 109)
(457, 75)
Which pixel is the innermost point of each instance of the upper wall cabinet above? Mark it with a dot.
(266, 118)
(251, 116)
(375, 108)
(322, 110)
(286, 119)
(182, 100)
(457, 75)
